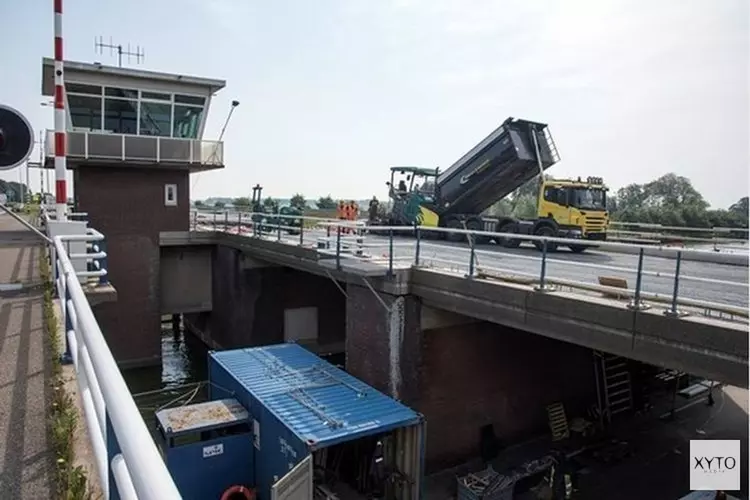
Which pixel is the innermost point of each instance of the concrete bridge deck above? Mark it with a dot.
(709, 347)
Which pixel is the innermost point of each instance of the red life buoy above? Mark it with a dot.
(238, 492)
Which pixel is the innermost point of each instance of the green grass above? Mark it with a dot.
(70, 482)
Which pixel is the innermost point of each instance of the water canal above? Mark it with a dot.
(177, 381)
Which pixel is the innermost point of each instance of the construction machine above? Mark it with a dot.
(512, 155)
(268, 219)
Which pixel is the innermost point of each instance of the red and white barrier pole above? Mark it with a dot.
(61, 191)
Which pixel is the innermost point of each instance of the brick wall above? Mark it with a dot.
(248, 304)
(375, 343)
(127, 205)
(480, 374)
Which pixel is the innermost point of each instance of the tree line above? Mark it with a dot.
(670, 200)
(298, 201)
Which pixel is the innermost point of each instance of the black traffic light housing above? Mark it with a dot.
(16, 138)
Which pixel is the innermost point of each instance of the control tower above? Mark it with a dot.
(133, 139)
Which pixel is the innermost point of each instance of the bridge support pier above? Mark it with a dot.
(384, 341)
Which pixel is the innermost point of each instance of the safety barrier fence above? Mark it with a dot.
(128, 463)
(388, 247)
(734, 239)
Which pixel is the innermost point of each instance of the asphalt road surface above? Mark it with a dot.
(729, 285)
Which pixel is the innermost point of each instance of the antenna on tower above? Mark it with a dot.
(139, 53)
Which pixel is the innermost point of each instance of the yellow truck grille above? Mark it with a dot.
(595, 224)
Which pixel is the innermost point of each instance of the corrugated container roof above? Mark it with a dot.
(320, 403)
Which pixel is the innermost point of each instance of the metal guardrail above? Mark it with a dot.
(124, 450)
(128, 147)
(638, 232)
(345, 239)
(660, 227)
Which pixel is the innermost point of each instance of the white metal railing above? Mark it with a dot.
(660, 227)
(129, 147)
(120, 440)
(344, 239)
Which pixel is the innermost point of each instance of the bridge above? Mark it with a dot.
(685, 313)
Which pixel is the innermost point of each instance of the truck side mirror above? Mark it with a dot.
(388, 183)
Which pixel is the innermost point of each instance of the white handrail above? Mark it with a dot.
(138, 469)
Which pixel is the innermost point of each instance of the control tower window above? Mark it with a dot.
(85, 112)
(121, 116)
(121, 93)
(84, 105)
(189, 99)
(187, 120)
(156, 119)
(133, 111)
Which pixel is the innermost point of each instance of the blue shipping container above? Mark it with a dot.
(300, 404)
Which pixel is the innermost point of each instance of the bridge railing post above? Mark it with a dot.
(472, 255)
(673, 311)
(636, 303)
(214, 220)
(302, 231)
(239, 222)
(278, 225)
(226, 221)
(390, 252)
(418, 234)
(543, 287)
(338, 248)
(195, 220)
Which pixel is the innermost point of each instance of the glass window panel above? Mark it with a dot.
(120, 116)
(187, 121)
(80, 88)
(122, 93)
(156, 119)
(85, 112)
(155, 95)
(189, 99)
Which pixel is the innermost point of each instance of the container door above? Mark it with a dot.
(297, 484)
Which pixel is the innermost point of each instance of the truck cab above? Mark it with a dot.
(577, 205)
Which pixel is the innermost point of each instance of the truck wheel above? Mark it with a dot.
(508, 227)
(578, 248)
(548, 231)
(475, 225)
(454, 237)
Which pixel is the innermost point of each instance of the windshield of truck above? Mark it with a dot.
(589, 199)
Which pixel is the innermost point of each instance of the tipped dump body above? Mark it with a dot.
(504, 161)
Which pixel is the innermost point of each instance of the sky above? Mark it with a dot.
(334, 92)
